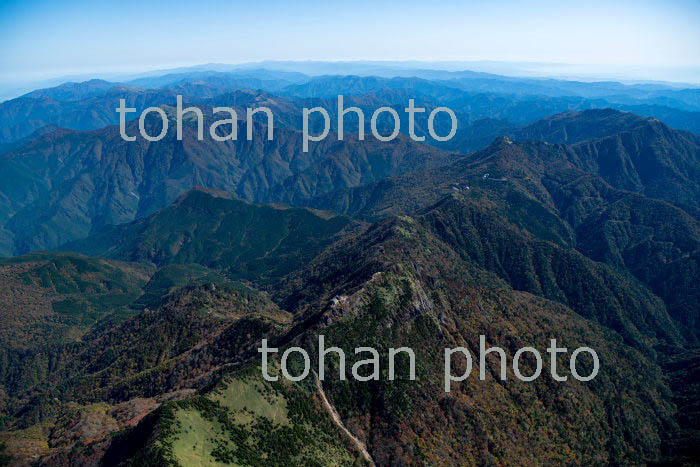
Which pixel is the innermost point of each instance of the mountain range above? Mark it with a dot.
(140, 277)
(90, 104)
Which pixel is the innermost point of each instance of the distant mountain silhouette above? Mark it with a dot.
(90, 105)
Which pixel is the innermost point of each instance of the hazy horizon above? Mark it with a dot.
(641, 41)
(560, 71)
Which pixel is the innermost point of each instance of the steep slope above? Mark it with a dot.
(68, 184)
(255, 242)
(400, 282)
(481, 233)
(399, 285)
(22, 116)
(574, 127)
(521, 242)
(683, 369)
(52, 300)
(55, 297)
(8, 147)
(121, 371)
(540, 188)
(629, 152)
(243, 420)
(394, 285)
(179, 342)
(653, 160)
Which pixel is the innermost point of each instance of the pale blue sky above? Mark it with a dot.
(42, 39)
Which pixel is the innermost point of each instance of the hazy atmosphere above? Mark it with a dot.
(349, 234)
(642, 40)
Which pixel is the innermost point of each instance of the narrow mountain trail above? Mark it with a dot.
(336, 418)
